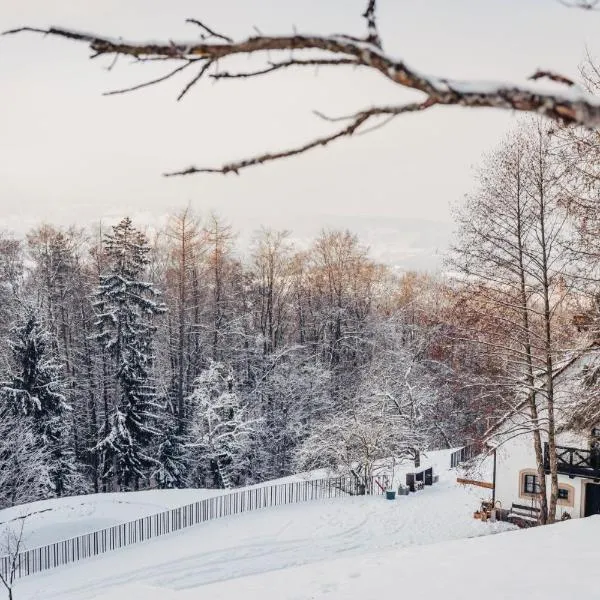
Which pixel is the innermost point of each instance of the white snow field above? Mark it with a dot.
(425, 546)
(556, 562)
(49, 521)
(270, 543)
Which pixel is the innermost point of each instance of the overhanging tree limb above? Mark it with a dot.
(570, 105)
(356, 122)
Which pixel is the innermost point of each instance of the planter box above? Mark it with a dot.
(390, 494)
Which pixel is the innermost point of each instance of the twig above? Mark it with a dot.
(192, 82)
(140, 86)
(370, 16)
(357, 120)
(283, 65)
(210, 31)
(557, 77)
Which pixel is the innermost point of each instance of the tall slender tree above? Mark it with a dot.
(126, 306)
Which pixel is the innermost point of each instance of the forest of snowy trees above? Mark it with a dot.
(133, 357)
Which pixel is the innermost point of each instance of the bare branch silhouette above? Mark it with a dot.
(570, 106)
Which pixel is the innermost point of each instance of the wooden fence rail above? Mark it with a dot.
(87, 545)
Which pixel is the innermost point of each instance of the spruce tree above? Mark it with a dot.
(36, 394)
(126, 305)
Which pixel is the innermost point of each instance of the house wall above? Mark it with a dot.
(517, 456)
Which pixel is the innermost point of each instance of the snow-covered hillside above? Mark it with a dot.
(425, 546)
(545, 563)
(49, 521)
(268, 540)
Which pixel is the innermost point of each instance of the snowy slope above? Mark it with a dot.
(269, 540)
(557, 562)
(49, 521)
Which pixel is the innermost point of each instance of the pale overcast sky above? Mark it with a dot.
(68, 154)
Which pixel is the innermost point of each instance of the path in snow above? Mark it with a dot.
(556, 562)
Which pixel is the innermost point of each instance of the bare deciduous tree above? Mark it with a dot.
(10, 548)
(514, 255)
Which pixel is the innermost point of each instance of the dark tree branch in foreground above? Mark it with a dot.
(552, 76)
(356, 122)
(568, 106)
(584, 4)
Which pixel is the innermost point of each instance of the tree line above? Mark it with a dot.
(135, 358)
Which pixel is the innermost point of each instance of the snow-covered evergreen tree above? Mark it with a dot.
(126, 306)
(35, 394)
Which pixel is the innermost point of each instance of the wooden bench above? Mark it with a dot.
(523, 515)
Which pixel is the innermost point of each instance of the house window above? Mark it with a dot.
(531, 484)
(566, 495)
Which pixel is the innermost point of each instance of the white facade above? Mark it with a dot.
(515, 456)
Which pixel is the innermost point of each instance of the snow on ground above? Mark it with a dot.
(545, 563)
(273, 541)
(49, 521)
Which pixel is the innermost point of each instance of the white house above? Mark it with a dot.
(516, 476)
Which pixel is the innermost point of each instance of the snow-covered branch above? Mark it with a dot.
(570, 105)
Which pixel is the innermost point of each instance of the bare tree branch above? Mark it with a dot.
(195, 80)
(284, 65)
(151, 82)
(568, 106)
(357, 120)
(210, 31)
(370, 16)
(584, 4)
(557, 77)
